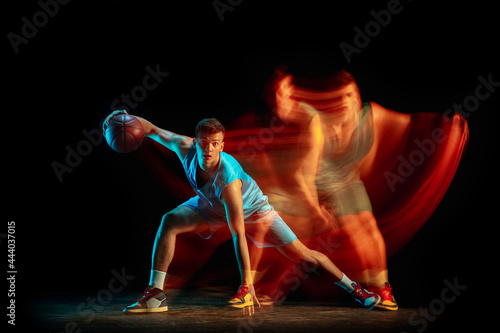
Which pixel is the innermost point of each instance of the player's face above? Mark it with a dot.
(208, 148)
(338, 104)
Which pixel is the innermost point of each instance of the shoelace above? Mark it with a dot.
(360, 293)
(147, 292)
(387, 291)
(242, 291)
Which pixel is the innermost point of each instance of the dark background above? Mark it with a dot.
(104, 214)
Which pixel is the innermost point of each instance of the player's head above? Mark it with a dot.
(210, 126)
(209, 142)
(336, 95)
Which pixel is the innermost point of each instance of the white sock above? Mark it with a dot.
(157, 279)
(346, 283)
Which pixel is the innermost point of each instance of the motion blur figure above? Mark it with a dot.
(349, 140)
(343, 128)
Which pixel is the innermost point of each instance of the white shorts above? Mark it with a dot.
(265, 227)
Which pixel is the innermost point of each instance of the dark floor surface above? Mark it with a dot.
(206, 311)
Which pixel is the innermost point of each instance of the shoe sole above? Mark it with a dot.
(374, 304)
(388, 307)
(150, 310)
(240, 305)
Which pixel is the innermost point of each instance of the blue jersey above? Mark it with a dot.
(262, 224)
(228, 171)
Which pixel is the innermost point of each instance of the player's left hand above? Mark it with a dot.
(250, 310)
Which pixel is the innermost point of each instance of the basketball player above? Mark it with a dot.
(226, 196)
(345, 128)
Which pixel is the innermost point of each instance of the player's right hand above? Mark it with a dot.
(108, 118)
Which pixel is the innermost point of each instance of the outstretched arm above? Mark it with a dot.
(306, 166)
(233, 203)
(180, 144)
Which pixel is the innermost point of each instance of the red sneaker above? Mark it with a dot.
(367, 299)
(242, 298)
(388, 302)
(153, 300)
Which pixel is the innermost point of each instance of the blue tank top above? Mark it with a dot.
(228, 170)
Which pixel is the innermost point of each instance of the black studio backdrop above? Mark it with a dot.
(101, 213)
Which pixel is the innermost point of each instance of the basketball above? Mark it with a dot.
(124, 133)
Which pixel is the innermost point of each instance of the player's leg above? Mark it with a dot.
(366, 243)
(298, 252)
(179, 220)
(377, 270)
(361, 231)
(376, 254)
(369, 245)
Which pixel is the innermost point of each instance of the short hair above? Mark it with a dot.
(210, 125)
(326, 83)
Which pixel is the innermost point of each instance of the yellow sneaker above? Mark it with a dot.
(242, 298)
(388, 301)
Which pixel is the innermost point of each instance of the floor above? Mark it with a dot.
(205, 311)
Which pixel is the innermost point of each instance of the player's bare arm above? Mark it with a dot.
(306, 166)
(179, 144)
(233, 203)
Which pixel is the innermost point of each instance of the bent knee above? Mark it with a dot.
(304, 254)
(369, 224)
(363, 222)
(169, 223)
(184, 220)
